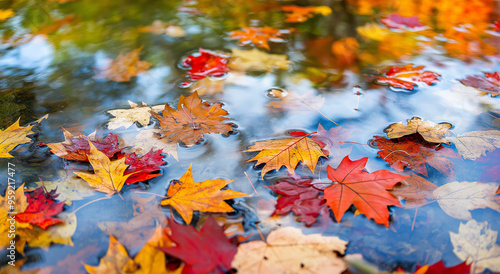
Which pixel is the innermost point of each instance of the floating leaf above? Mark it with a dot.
(296, 14)
(490, 83)
(439, 268)
(473, 144)
(430, 131)
(69, 187)
(116, 260)
(127, 117)
(15, 135)
(205, 63)
(42, 209)
(259, 36)
(158, 27)
(257, 60)
(141, 167)
(147, 140)
(405, 77)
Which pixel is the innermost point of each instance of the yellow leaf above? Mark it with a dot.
(257, 60)
(5, 14)
(116, 260)
(108, 175)
(431, 132)
(205, 196)
(373, 31)
(13, 136)
(286, 152)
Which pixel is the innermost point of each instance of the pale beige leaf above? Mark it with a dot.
(127, 117)
(146, 140)
(475, 242)
(457, 199)
(257, 60)
(471, 145)
(287, 250)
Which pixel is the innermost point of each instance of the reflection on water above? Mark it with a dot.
(51, 53)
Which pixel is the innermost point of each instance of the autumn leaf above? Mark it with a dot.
(491, 172)
(430, 131)
(6, 14)
(76, 148)
(146, 140)
(42, 209)
(406, 76)
(124, 67)
(457, 199)
(108, 175)
(330, 141)
(140, 167)
(259, 36)
(286, 152)
(116, 260)
(296, 14)
(287, 250)
(192, 120)
(473, 144)
(15, 135)
(440, 267)
(345, 50)
(300, 197)
(187, 196)
(205, 251)
(19, 204)
(69, 187)
(60, 233)
(208, 86)
(71, 264)
(127, 117)
(151, 259)
(159, 27)
(205, 63)
(415, 190)
(475, 244)
(397, 21)
(412, 152)
(352, 185)
(490, 83)
(256, 60)
(373, 32)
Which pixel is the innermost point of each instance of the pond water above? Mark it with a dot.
(53, 52)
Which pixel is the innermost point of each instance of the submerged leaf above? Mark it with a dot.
(124, 67)
(257, 60)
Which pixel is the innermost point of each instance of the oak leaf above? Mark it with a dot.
(205, 63)
(124, 67)
(490, 83)
(69, 187)
(205, 251)
(471, 145)
(108, 175)
(457, 199)
(286, 152)
(140, 168)
(288, 250)
(116, 260)
(259, 36)
(187, 196)
(397, 21)
(406, 76)
(42, 209)
(256, 60)
(127, 117)
(415, 190)
(430, 131)
(296, 14)
(475, 244)
(352, 185)
(15, 135)
(146, 140)
(192, 120)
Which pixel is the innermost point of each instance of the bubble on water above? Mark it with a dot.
(372, 143)
(357, 90)
(274, 93)
(185, 84)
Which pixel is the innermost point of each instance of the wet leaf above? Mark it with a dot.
(159, 27)
(70, 263)
(430, 131)
(108, 175)
(457, 199)
(6, 14)
(141, 167)
(60, 233)
(296, 14)
(77, 148)
(256, 60)
(42, 209)
(286, 152)
(406, 76)
(475, 244)
(373, 32)
(440, 267)
(116, 260)
(345, 50)
(205, 251)
(124, 67)
(69, 187)
(415, 190)
(259, 36)
(146, 140)
(397, 21)
(192, 120)
(490, 83)
(473, 144)
(287, 250)
(206, 196)
(15, 135)
(352, 185)
(127, 117)
(205, 63)
(208, 86)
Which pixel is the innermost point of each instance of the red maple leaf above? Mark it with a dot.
(439, 268)
(414, 153)
(497, 25)
(205, 64)
(406, 76)
(300, 197)
(352, 185)
(490, 83)
(143, 166)
(397, 21)
(206, 251)
(42, 207)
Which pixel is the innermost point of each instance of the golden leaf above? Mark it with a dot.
(116, 260)
(430, 131)
(13, 136)
(5, 14)
(205, 196)
(257, 60)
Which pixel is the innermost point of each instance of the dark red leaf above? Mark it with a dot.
(397, 21)
(149, 162)
(42, 208)
(204, 251)
(439, 268)
(205, 64)
(76, 148)
(490, 83)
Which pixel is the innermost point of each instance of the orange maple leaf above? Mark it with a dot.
(286, 152)
(125, 66)
(259, 36)
(192, 120)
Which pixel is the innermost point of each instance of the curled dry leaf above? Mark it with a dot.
(257, 60)
(457, 199)
(15, 135)
(430, 131)
(287, 250)
(69, 187)
(286, 152)
(405, 77)
(127, 117)
(475, 244)
(124, 67)
(471, 145)
(352, 185)
(186, 196)
(296, 14)
(205, 63)
(192, 120)
(415, 190)
(490, 83)
(259, 36)
(108, 175)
